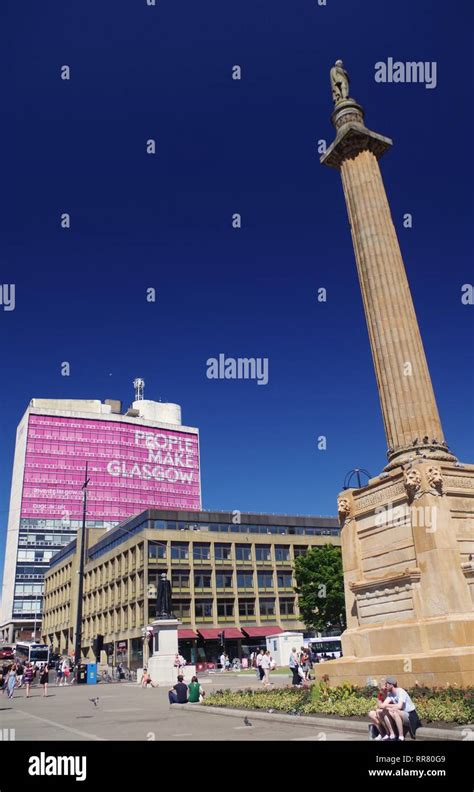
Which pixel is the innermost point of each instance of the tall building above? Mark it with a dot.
(141, 458)
(229, 577)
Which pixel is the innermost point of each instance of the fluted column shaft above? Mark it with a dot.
(408, 402)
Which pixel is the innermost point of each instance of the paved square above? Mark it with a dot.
(125, 711)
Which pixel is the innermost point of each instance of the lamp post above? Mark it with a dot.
(147, 631)
(80, 585)
(33, 637)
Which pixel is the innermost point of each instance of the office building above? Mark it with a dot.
(229, 572)
(141, 458)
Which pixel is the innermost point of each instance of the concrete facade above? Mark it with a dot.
(26, 556)
(223, 575)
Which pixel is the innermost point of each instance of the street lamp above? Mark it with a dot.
(80, 585)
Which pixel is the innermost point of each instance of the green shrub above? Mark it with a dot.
(451, 705)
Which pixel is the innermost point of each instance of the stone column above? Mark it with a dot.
(410, 415)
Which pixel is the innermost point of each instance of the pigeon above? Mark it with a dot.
(247, 722)
(95, 701)
(270, 711)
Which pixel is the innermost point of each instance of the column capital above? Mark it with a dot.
(352, 135)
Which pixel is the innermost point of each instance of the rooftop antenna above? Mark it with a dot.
(139, 386)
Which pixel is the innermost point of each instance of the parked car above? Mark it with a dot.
(6, 653)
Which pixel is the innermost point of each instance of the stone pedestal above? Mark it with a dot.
(407, 539)
(165, 648)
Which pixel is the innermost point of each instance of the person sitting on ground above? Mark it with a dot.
(377, 728)
(399, 711)
(195, 691)
(179, 692)
(146, 679)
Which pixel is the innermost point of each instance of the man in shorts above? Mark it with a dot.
(398, 711)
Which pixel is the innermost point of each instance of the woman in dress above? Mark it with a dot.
(28, 678)
(11, 681)
(44, 679)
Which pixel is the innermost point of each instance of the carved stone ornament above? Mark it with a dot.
(412, 482)
(343, 508)
(435, 477)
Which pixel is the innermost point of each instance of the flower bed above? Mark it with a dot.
(448, 706)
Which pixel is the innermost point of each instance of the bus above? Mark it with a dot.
(330, 645)
(31, 652)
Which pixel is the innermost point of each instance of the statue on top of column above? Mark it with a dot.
(339, 82)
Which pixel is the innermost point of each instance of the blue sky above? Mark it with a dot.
(164, 221)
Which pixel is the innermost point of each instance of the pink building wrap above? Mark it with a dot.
(131, 468)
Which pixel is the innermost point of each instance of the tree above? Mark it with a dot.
(320, 588)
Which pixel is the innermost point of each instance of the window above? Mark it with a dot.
(203, 609)
(284, 580)
(201, 552)
(225, 608)
(287, 606)
(265, 580)
(263, 553)
(179, 580)
(156, 551)
(300, 551)
(222, 552)
(182, 609)
(243, 553)
(244, 580)
(223, 580)
(282, 553)
(247, 609)
(267, 606)
(179, 550)
(202, 580)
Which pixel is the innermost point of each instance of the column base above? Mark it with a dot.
(407, 544)
(445, 667)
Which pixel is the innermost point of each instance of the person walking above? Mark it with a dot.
(59, 672)
(44, 679)
(260, 672)
(265, 666)
(65, 672)
(19, 675)
(28, 676)
(294, 667)
(222, 661)
(10, 681)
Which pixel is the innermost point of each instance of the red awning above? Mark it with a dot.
(232, 632)
(213, 635)
(186, 634)
(261, 632)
